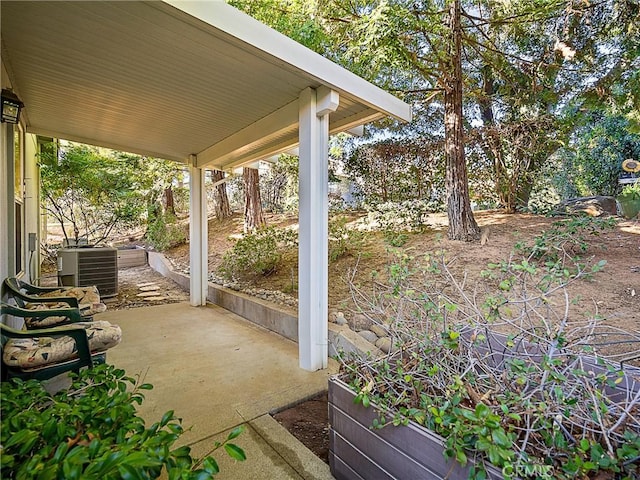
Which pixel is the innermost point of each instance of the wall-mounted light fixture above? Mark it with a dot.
(11, 106)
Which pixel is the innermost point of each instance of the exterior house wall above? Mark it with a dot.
(6, 188)
(28, 199)
(31, 208)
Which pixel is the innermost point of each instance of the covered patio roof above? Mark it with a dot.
(171, 79)
(200, 83)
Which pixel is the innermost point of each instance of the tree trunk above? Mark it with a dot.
(523, 192)
(462, 225)
(221, 201)
(253, 218)
(169, 202)
(492, 141)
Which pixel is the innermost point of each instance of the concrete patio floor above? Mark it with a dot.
(217, 371)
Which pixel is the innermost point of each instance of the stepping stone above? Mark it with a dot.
(150, 288)
(148, 294)
(145, 284)
(155, 299)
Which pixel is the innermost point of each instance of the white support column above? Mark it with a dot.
(198, 245)
(313, 233)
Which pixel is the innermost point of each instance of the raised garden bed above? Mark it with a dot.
(131, 257)
(359, 452)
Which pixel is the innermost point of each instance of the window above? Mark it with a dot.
(18, 193)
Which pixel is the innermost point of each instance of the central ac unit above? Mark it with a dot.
(83, 267)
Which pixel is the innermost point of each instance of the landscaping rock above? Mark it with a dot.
(593, 206)
(340, 320)
(379, 330)
(368, 335)
(343, 339)
(360, 322)
(384, 344)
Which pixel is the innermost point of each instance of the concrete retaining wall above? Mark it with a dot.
(160, 264)
(266, 314)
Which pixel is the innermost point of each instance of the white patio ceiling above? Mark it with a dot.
(171, 79)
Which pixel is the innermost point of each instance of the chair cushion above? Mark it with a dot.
(88, 298)
(28, 353)
(88, 301)
(83, 294)
(37, 322)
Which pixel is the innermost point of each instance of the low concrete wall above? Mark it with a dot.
(266, 314)
(160, 264)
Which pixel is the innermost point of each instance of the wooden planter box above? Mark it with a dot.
(131, 257)
(356, 452)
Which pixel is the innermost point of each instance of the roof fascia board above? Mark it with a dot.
(235, 159)
(256, 155)
(273, 124)
(112, 146)
(285, 50)
(363, 118)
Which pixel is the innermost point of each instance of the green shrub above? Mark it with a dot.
(261, 252)
(257, 253)
(543, 199)
(401, 216)
(566, 240)
(164, 232)
(630, 192)
(92, 431)
(395, 238)
(343, 241)
(525, 402)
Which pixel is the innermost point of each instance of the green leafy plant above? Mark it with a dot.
(257, 253)
(566, 240)
(408, 215)
(630, 192)
(343, 241)
(165, 232)
(395, 238)
(92, 430)
(522, 400)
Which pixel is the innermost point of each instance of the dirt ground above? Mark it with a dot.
(614, 293)
(142, 287)
(309, 423)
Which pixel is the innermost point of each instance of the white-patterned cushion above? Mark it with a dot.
(88, 301)
(29, 353)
